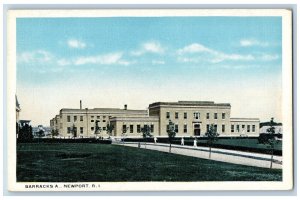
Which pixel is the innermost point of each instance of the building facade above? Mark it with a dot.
(82, 123)
(191, 118)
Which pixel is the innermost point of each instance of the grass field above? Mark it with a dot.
(104, 162)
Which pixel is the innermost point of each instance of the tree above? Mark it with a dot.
(212, 136)
(25, 132)
(74, 131)
(171, 133)
(270, 140)
(97, 128)
(54, 133)
(146, 132)
(109, 129)
(41, 133)
(124, 133)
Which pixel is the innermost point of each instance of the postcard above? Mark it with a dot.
(149, 100)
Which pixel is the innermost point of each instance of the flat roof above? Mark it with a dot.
(131, 118)
(243, 119)
(112, 110)
(189, 103)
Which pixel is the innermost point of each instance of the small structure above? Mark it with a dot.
(18, 109)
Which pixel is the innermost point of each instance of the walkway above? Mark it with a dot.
(224, 155)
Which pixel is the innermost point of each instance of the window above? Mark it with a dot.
(92, 128)
(185, 115)
(98, 117)
(207, 115)
(124, 128)
(75, 118)
(196, 115)
(253, 128)
(223, 128)
(216, 127)
(176, 115)
(216, 116)
(232, 128)
(176, 128)
(185, 128)
(104, 128)
(92, 117)
(152, 128)
(207, 127)
(248, 128)
(131, 128)
(68, 118)
(104, 120)
(243, 127)
(92, 120)
(138, 128)
(223, 115)
(69, 130)
(81, 130)
(238, 128)
(168, 115)
(104, 117)
(167, 129)
(81, 118)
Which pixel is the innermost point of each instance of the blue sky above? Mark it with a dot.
(108, 62)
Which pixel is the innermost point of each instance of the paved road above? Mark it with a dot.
(224, 155)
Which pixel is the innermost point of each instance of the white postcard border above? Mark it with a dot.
(286, 184)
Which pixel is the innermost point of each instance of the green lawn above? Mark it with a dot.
(103, 162)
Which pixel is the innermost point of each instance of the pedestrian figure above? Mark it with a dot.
(182, 141)
(195, 143)
(155, 140)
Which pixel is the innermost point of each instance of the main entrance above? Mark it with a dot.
(197, 130)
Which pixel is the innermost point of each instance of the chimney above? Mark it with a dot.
(80, 105)
(125, 107)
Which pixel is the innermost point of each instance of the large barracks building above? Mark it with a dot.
(191, 118)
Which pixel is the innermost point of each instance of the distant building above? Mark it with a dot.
(277, 127)
(191, 118)
(18, 109)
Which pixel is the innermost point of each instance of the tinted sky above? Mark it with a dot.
(108, 62)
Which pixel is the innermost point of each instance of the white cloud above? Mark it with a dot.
(252, 42)
(219, 57)
(197, 52)
(149, 47)
(63, 62)
(153, 47)
(38, 56)
(269, 57)
(194, 48)
(77, 44)
(104, 59)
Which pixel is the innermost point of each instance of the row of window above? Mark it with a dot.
(197, 115)
(138, 128)
(81, 118)
(196, 126)
(242, 127)
(69, 129)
